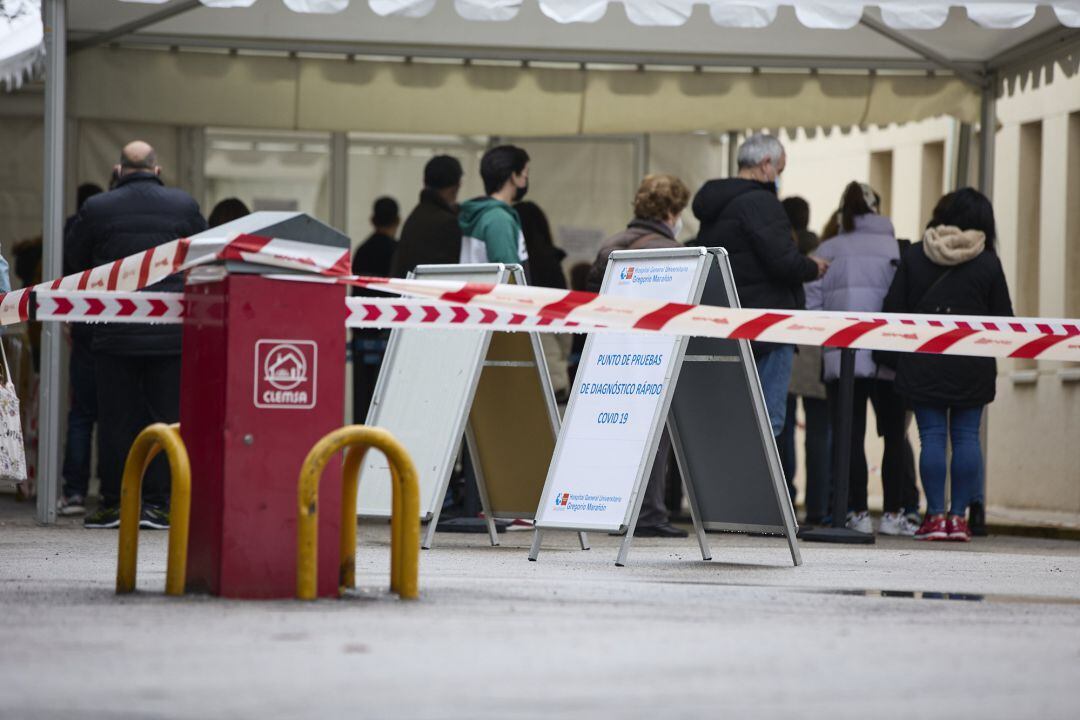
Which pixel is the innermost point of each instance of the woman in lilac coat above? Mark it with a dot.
(863, 259)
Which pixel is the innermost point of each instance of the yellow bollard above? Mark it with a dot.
(404, 518)
(150, 442)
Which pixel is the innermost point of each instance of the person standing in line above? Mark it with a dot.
(226, 211)
(546, 270)
(490, 227)
(431, 234)
(806, 383)
(862, 262)
(658, 207)
(372, 258)
(953, 271)
(136, 367)
(82, 413)
(743, 215)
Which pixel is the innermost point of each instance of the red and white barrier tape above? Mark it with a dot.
(981, 336)
(800, 328)
(143, 269)
(410, 312)
(127, 307)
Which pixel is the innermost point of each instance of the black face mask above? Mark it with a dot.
(519, 195)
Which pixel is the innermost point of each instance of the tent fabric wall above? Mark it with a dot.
(303, 93)
(379, 167)
(21, 143)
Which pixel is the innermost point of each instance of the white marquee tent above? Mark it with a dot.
(551, 67)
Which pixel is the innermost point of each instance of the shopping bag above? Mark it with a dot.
(12, 450)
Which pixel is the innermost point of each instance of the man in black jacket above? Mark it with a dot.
(744, 216)
(82, 414)
(431, 235)
(137, 367)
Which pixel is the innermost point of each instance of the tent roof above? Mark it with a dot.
(758, 33)
(925, 59)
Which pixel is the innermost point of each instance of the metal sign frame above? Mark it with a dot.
(679, 401)
(649, 450)
(689, 405)
(476, 370)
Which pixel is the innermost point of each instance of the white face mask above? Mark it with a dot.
(677, 229)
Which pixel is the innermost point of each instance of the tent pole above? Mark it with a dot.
(135, 25)
(959, 69)
(48, 469)
(987, 134)
(732, 153)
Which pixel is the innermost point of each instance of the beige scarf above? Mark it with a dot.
(947, 245)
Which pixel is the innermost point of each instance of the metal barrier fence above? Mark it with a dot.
(404, 518)
(152, 441)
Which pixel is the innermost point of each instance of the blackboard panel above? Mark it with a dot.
(721, 431)
(725, 453)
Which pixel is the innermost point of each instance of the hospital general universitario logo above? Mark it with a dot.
(286, 374)
(627, 273)
(561, 500)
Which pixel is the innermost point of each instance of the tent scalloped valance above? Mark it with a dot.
(20, 39)
(819, 14)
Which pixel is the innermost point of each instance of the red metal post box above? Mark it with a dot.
(262, 381)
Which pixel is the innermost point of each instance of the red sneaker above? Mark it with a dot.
(958, 528)
(933, 528)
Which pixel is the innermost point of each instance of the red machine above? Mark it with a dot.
(263, 380)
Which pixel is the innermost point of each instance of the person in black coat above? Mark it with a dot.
(136, 367)
(953, 271)
(82, 413)
(373, 259)
(743, 215)
(431, 234)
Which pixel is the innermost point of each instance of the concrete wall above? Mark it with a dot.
(1034, 425)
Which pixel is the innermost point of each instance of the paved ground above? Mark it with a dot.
(572, 636)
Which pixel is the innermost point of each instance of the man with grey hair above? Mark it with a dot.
(743, 215)
(136, 367)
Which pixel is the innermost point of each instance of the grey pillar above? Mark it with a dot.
(191, 163)
(339, 181)
(963, 157)
(987, 134)
(732, 153)
(641, 155)
(49, 442)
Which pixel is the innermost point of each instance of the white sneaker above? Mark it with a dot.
(896, 524)
(74, 505)
(860, 522)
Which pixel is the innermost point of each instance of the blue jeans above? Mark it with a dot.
(937, 425)
(774, 370)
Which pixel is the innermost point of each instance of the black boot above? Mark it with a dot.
(977, 519)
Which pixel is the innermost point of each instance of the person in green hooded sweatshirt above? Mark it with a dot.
(490, 227)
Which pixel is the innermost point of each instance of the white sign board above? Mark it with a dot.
(422, 396)
(619, 403)
(437, 385)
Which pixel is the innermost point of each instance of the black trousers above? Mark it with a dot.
(133, 392)
(898, 462)
(890, 412)
(369, 347)
(81, 418)
(654, 510)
